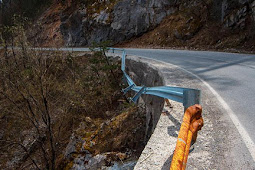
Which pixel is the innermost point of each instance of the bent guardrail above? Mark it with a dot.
(186, 96)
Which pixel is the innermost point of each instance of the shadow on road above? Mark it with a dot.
(173, 130)
(238, 62)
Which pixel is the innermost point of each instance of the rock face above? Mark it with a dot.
(125, 19)
(128, 18)
(235, 13)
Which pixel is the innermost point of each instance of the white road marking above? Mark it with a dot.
(244, 134)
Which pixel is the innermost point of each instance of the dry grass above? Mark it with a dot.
(73, 88)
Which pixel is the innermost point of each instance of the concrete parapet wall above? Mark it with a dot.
(143, 74)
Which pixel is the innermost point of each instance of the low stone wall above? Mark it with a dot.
(143, 74)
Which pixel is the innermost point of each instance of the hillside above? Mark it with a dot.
(62, 110)
(194, 24)
(65, 110)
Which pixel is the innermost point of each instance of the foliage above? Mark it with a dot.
(15, 33)
(100, 49)
(26, 8)
(47, 94)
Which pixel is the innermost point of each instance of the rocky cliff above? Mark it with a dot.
(121, 20)
(126, 19)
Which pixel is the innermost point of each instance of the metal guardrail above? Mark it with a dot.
(186, 96)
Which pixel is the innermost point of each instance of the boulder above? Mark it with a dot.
(72, 146)
(237, 19)
(96, 162)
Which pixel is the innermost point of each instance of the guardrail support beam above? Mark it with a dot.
(138, 94)
(128, 88)
(191, 97)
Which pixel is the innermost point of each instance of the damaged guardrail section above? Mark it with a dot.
(192, 120)
(186, 96)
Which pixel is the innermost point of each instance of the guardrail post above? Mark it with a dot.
(191, 97)
(123, 61)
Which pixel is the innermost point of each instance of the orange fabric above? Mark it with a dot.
(192, 122)
(181, 144)
(186, 153)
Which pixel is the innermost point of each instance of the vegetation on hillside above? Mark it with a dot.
(45, 96)
(26, 8)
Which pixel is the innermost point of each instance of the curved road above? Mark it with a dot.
(231, 76)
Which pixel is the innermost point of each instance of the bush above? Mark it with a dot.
(26, 8)
(47, 94)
